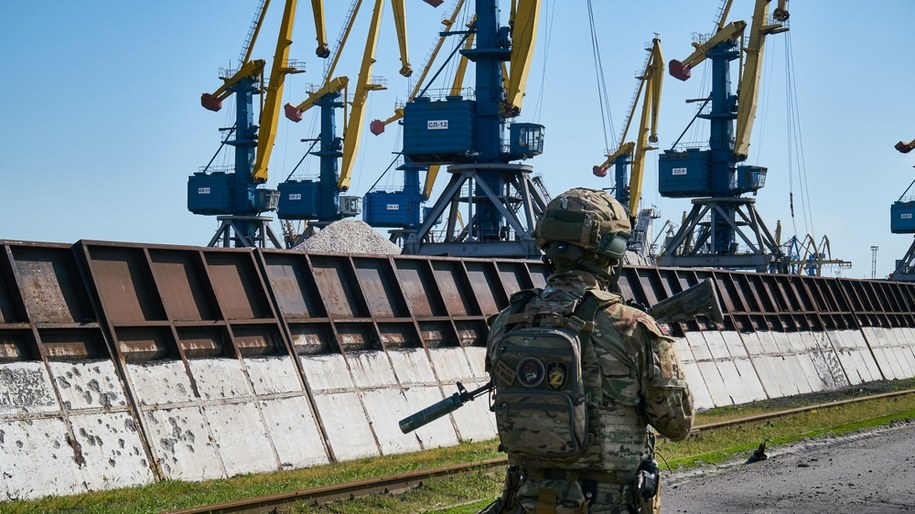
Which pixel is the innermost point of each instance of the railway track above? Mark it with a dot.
(401, 482)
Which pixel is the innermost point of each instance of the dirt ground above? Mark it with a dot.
(867, 472)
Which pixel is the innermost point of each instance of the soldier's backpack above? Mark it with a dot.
(540, 400)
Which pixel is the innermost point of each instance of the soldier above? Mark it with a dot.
(579, 376)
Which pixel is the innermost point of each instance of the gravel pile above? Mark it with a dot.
(635, 259)
(349, 236)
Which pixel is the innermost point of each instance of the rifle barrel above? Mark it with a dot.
(431, 413)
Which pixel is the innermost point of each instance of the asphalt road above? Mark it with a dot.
(870, 472)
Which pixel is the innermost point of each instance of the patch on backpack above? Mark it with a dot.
(530, 371)
(556, 373)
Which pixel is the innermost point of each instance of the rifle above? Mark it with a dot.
(446, 406)
(698, 300)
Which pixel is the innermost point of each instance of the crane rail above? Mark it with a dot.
(404, 481)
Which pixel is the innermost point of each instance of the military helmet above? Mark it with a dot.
(588, 218)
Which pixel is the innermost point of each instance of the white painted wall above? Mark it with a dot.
(221, 417)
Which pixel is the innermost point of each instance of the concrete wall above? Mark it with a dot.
(66, 427)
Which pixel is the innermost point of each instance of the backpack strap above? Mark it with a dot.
(517, 303)
(591, 303)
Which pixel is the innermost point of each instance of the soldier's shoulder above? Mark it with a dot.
(621, 310)
(606, 297)
(627, 317)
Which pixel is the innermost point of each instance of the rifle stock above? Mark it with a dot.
(698, 300)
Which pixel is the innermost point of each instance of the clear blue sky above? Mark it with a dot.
(102, 123)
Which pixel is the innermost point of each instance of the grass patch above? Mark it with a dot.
(468, 493)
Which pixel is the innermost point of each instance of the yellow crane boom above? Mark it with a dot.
(353, 133)
(526, 14)
(269, 116)
(752, 70)
(317, 8)
(650, 82)
(400, 25)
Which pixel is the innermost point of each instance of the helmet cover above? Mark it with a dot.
(588, 218)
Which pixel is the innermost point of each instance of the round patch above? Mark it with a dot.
(530, 372)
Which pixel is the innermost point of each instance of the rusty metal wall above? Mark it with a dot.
(122, 364)
(782, 303)
(67, 422)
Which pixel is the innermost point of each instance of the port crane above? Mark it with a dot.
(236, 195)
(628, 188)
(714, 177)
(400, 210)
(320, 201)
(902, 221)
(806, 257)
(467, 133)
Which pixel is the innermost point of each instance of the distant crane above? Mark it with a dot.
(902, 221)
(628, 190)
(233, 195)
(806, 257)
(319, 200)
(713, 177)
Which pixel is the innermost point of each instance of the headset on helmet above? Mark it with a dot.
(588, 218)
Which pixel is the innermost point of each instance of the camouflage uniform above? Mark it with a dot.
(636, 373)
(633, 378)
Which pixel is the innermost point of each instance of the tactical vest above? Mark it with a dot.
(550, 400)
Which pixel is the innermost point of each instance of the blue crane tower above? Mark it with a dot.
(318, 200)
(902, 221)
(713, 177)
(234, 196)
(500, 201)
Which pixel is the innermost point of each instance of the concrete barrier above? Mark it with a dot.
(65, 429)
